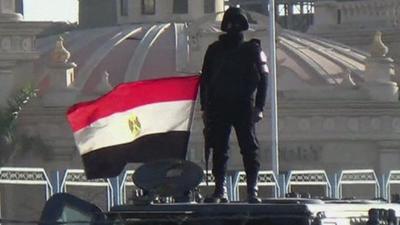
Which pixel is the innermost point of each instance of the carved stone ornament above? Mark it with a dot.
(376, 123)
(328, 124)
(348, 80)
(104, 86)
(194, 40)
(378, 48)
(27, 44)
(60, 55)
(396, 124)
(6, 43)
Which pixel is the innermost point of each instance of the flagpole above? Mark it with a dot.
(274, 100)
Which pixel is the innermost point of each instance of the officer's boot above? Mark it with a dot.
(251, 166)
(220, 158)
(220, 193)
(252, 189)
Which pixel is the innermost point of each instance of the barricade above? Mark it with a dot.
(128, 189)
(362, 183)
(17, 200)
(76, 178)
(392, 185)
(309, 182)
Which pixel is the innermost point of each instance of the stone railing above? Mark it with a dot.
(373, 11)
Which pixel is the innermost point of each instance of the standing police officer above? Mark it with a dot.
(233, 91)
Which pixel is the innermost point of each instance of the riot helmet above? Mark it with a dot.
(234, 20)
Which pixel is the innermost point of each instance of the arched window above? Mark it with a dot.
(209, 6)
(180, 7)
(148, 7)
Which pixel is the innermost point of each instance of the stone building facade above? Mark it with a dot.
(338, 106)
(345, 98)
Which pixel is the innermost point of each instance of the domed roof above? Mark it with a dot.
(145, 51)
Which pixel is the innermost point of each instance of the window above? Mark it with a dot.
(124, 7)
(148, 7)
(209, 6)
(180, 7)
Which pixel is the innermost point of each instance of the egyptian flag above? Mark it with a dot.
(135, 122)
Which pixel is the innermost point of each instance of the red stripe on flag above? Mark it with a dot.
(131, 95)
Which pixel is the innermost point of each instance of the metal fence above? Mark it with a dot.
(26, 176)
(359, 178)
(313, 182)
(118, 190)
(77, 178)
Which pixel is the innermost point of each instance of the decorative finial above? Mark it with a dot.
(60, 54)
(378, 48)
(104, 86)
(348, 80)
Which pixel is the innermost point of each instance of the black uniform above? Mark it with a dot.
(233, 88)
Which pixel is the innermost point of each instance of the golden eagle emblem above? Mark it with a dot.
(134, 125)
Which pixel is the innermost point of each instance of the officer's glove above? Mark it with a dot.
(257, 114)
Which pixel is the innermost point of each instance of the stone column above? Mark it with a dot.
(7, 11)
(17, 45)
(7, 14)
(6, 81)
(389, 156)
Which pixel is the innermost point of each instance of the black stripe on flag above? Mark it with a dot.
(110, 161)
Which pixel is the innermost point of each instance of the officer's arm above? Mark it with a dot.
(205, 75)
(263, 82)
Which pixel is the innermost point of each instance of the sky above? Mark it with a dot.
(51, 10)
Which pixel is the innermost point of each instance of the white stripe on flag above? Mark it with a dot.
(115, 130)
